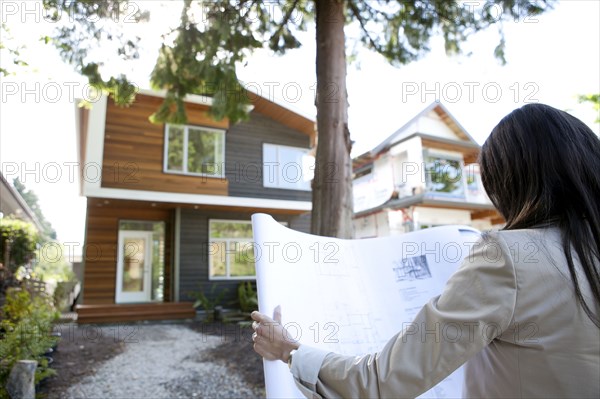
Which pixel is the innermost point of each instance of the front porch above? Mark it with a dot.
(113, 313)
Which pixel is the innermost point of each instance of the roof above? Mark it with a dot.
(286, 115)
(12, 203)
(404, 133)
(423, 200)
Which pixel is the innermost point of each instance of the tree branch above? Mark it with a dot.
(286, 19)
(361, 21)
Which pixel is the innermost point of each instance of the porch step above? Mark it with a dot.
(111, 313)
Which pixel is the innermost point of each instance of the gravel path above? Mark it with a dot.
(167, 361)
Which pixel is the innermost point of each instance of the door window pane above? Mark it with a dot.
(158, 252)
(133, 265)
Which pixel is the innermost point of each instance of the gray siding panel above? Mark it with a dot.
(193, 253)
(300, 223)
(243, 157)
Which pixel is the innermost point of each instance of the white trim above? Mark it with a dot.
(190, 98)
(176, 256)
(196, 199)
(195, 99)
(165, 146)
(95, 144)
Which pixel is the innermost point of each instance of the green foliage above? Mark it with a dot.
(209, 302)
(247, 297)
(200, 56)
(61, 294)
(445, 175)
(51, 264)
(33, 202)
(25, 333)
(594, 99)
(20, 238)
(10, 51)
(91, 23)
(52, 267)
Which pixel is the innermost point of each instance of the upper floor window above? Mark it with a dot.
(194, 150)
(444, 176)
(285, 167)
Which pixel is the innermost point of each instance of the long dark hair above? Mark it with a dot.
(541, 166)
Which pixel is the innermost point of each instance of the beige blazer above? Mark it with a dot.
(509, 313)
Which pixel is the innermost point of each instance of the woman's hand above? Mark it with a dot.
(271, 340)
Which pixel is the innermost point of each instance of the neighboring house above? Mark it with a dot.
(423, 175)
(12, 204)
(169, 206)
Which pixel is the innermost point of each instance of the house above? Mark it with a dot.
(425, 174)
(169, 206)
(12, 204)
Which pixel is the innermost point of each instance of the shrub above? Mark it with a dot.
(207, 303)
(20, 239)
(247, 297)
(25, 333)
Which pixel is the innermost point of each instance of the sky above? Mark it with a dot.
(550, 59)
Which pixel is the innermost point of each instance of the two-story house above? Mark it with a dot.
(425, 174)
(169, 206)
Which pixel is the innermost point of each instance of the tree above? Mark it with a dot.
(33, 202)
(200, 57)
(18, 240)
(595, 100)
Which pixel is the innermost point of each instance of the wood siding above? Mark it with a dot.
(193, 253)
(134, 153)
(101, 238)
(244, 157)
(111, 313)
(134, 150)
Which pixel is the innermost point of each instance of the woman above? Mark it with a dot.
(527, 299)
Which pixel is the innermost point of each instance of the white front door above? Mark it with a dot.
(134, 266)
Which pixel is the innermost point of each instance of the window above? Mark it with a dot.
(194, 150)
(289, 168)
(444, 176)
(231, 250)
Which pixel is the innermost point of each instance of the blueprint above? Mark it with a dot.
(351, 296)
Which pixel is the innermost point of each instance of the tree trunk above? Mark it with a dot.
(332, 185)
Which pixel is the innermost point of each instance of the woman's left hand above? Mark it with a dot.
(271, 339)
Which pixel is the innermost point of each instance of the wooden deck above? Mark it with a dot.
(112, 313)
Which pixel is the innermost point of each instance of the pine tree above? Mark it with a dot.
(200, 57)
